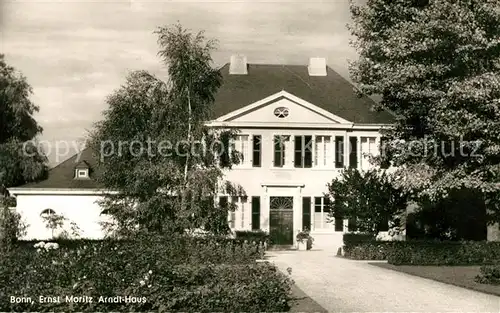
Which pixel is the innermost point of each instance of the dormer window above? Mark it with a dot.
(82, 170)
(82, 173)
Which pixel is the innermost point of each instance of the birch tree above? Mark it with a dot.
(168, 172)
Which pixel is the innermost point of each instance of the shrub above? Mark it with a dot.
(252, 235)
(356, 238)
(11, 226)
(368, 251)
(162, 275)
(489, 274)
(362, 246)
(444, 253)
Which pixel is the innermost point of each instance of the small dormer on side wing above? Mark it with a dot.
(82, 170)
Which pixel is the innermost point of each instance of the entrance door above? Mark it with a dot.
(281, 220)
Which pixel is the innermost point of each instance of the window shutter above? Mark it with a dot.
(306, 213)
(255, 213)
(339, 223)
(351, 225)
(353, 153)
(225, 155)
(384, 225)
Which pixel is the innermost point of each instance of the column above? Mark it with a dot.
(360, 157)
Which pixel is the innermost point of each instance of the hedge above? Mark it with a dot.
(421, 252)
(158, 274)
(252, 236)
(444, 253)
(365, 247)
(352, 239)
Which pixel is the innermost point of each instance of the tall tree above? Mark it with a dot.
(436, 65)
(21, 159)
(155, 147)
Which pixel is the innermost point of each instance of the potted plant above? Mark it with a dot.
(304, 240)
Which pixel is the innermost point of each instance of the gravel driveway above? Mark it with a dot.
(355, 286)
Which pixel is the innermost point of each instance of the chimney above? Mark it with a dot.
(317, 67)
(238, 65)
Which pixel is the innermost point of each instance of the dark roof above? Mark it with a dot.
(332, 93)
(62, 176)
(82, 165)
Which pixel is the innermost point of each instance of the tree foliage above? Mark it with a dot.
(461, 216)
(21, 160)
(369, 198)
(436, 65)
(155, 149)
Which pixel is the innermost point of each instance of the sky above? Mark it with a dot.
(75, 53)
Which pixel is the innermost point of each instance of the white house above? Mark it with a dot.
(297, 124)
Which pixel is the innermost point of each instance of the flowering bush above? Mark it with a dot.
(46, 246)
(393, 234)
(185, 274)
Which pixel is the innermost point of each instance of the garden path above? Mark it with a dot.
(341, 285)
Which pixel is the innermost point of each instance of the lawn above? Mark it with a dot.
(462, 276)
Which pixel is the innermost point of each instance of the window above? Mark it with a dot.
(47, 212)
(257, 151)
(81, 173)
(232, 213)
(339, 151)
(303, 151)
(279, 150)
(322, 151)
(321, 212)
(353, 152)
(241, 144)
(224, 204)
(368, 147)
(255, 213)
(281, 112)
(306, 213)
(243, 207)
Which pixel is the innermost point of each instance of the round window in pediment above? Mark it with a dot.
(281, 112)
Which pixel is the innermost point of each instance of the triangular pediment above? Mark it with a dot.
(283, 108)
